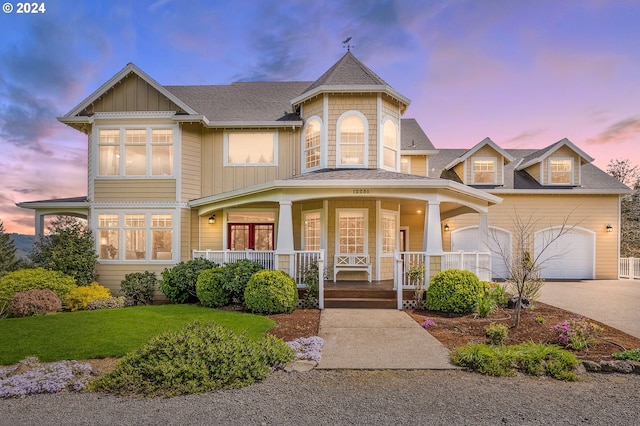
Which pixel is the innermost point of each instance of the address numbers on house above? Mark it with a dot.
(360, 191)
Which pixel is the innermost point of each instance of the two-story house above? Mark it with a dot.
(286, 172)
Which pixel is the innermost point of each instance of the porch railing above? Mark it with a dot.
(630, 268)
(477, 262)
(267, 258)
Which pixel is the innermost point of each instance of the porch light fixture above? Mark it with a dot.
(212, 219)
(446, 227)
(609, 227)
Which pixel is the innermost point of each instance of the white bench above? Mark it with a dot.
(351, 262)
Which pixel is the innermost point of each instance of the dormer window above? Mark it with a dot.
(561, 171)
(352, 140)
(484, 171)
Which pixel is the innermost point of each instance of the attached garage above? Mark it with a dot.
(466, 239)
(572, 256)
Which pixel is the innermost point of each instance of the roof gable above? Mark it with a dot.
(130, 68)
(538, 156)
(485, 142)
(413, 138)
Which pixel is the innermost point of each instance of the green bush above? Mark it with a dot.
(454, 291)
(486, 305)
(33, 279)
(236, 277)
(497, 333)
(198, 358)
(631, 354)
(271, 292)
(139, 287)
(532, 358)
(34, 302)
(79, 297)
(498, 294)
(179, 283)
(210, 288)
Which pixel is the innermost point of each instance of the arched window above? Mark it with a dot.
(352, 140)
(390, 145)
(312, 144)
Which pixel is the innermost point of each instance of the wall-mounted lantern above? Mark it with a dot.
(609, 227)
(212, 219)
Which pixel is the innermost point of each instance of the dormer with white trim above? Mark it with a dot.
(482, 165)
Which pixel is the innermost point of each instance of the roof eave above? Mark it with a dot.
(365, 88)
(573, 191)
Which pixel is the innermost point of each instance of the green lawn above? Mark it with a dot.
(108, 332)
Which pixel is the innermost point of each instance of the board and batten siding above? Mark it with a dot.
(191, 165)
(592, 212)
(131, 93)
(135, 190)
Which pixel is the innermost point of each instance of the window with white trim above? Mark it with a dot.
(250, 148)
(561, 171)
(390, 145)
(136, 151)
(389, 232)
(312, 144)
(484, 171)
(352, 231)
(135, 236)
(352, 140)
(312, 230)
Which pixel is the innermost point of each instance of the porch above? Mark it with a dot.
(411, 270)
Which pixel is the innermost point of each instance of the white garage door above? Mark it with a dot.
(572, 256)
(466, 239)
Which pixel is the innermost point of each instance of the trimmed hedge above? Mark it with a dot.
(210, 288)
(236, 277)
(455, 291)
(80, 297)
(271, 292)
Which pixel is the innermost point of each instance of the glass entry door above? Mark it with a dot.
(250, 236)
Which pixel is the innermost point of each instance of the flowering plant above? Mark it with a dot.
(307, 347)
(576, 333)
(30, 377)
(428, 323)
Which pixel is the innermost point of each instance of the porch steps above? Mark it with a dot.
(362, 299)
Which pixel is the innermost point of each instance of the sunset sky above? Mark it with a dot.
(524, 73)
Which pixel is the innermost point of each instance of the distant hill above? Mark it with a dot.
(23, 243)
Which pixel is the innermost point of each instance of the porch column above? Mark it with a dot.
(39, 224)
(284, 243)
(432, 241)
(483, 233)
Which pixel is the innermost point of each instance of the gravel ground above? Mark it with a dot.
(355, 397)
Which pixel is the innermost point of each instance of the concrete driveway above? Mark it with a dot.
(612, 302)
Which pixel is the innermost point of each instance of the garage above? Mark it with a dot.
(466, 239)
(572, 256)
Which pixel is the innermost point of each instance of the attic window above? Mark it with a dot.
(561, 171)
(484, 171)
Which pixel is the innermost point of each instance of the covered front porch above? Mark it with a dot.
(411, 270)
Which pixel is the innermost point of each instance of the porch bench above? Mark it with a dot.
(351, 262)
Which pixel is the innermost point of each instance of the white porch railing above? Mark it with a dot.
(630, 268)
(477, 262)
(266, 258)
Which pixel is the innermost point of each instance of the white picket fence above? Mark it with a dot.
(630, 268)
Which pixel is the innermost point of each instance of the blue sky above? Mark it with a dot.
(525, 73)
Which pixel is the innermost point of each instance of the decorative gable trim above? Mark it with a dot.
(130, 68)
(481, 144)
(540, 155)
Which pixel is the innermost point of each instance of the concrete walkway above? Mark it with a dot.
(612, 302)
(378, 339)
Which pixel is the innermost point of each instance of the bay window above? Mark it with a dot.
(390, 145)
(312, 144)
(352, 140)
(135, 236)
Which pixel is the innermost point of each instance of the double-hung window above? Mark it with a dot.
(312, 144)
(136, 151)
(389, 232)
(390, 145)
(561, 171)
(312, 229)
(484, 171)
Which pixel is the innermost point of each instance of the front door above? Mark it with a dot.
(250, 236)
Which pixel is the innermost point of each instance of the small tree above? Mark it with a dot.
(524, 268)
(69, 248)
(628, 174)
(8, 260)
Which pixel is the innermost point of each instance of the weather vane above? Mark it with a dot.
(345, 43)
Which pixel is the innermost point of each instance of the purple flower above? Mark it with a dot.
(43, 378)
(307, 347)
(428, 323)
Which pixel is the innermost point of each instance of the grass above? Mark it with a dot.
(109, 332)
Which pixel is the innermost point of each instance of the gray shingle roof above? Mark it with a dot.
(413, 137)
(354, 174)
(242, 101)
(347, 71)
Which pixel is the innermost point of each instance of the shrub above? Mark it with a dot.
(33, 279)
(210, 288)
(576, 333)
(195, 359)
(486, 305)
(139, 287)
(454, 291)
(498, 295)
(236, 277)
(530, 357)
(34, 302)
(631, 354)
(312, 285)
(271, 292)
(108, 303)
(179, 283)
(80, 297)
(497, 333)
